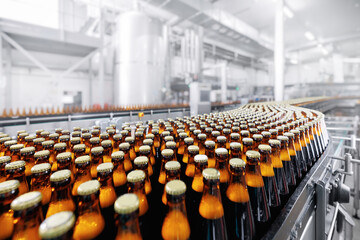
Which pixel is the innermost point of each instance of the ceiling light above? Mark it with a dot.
(288, 12)
(309, 36)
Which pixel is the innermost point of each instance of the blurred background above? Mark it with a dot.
(76, 55)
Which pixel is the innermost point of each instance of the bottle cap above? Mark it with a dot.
(235, 136)
(136, 176)
(274, 143)
(26, 200)
(79, 147)
(88, 187)
(63, 138)
(264, 147)
(124, 146)
(289, 135)
(105, 167)
(258, 137)
(27, 150)
(200, 158)
(149, 136)
(42, 153)
(86, 135)
(94, 140)
(193, 149)
(189, 140)
(221, 151)
(96, 150)
(10, 143)
(283, 138)
(247, 140)
(182, 135)
(221, 139)
(126, 203)
(63, 156)
(129, 139)
(8, 186)
(117, 137)
(42, 167)
(167, 152)
(201, 136)
(210, 143)
(15, 165)
(169, 138)
(175, 187)
(172, 165)
(144, 148)
(142, 160)
(266, 134)
(82, 159)
(5, 139)
(252, 154)
(75, 140)
(211, 173)
(235, 145)
(16, 146)
(237, 162)
(118, 155)
(170, 144)
(48, 143)
(54, 136)
(57, 225)
(60, 175)
(44, 133)
(5, 159)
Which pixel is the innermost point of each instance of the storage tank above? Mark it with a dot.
(140, 61)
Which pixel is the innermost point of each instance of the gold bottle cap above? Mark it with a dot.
(104, 135)
(54, 135)
(226, 131)
(175, 187)
(8, 186)
(65, 132)
(106, 143)
(23, 135)
(10, 143)
(75, 140)
(5, 139)
(5, 159)
(182, 135)
(167, 152)
(148, 142)
(257, 137)
(266, 134)
(283, 138)
(129, 139)
(86, 135)
(26, 200)
(235, 145)
(170, 144)
(274, 143)
(211, 173)
(16, 146)
(273, 131)
(79, 147)
(264, 147)
(76, 134)
(15, 165)
(60, 175)
(247, 140)
(38, 131)
(142, 160)
(105, 167)
(62, 138)
(289, 135)
(172, 165)
(82, 159)
(63, 156)
(169, 138)
(57, 225)
(252, 154)
(235, 136)
(94, 140)
(237, 163)
(42, 167)
(117, 137)
(76, 129)
(126, 203)
(189, 140)
(96, 150)
(201, 136)
(136, 176)
(210, 143)
(149, 136)
(48, 143)
(59, 146)
(221, 151)
(200, 158)
(118, 155)
(193, 149)
(124, 146)
(88, 187)
(144, 148)
(42, 153)
(44, 133)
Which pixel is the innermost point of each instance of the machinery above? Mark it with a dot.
(199, 98)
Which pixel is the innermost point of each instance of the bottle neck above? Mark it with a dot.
(210, 205)
(128, 227)
(89, 204)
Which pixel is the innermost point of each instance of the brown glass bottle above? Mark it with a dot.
(293, 155)
(247, 145)
(96, 159)
(119, 175)
(142, 163)
(286, 160)
(40, 181)
(172, 169)
(82, 172)
(16, 170)
(4, 160)
(59, 226)
(15, 151)
(27, 155)
(107, 145)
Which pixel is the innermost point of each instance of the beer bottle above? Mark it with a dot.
(299, 150)
(211, 209)
(15, 152)
(193, 150)
(40, 181)
(145, 150)
(313, 141)
(201, 142)
(94, 142)
(16, 170)
(29, 141)
(244, 134)
(215, 134)
(61, 199)
(38, 132)
(256, 189)
(64, 139)
(210, 153)
(125, 147)
(82, 173)
(45, 134)
(132, 153)
(226, 132)
(27, 155)
(172, 169)
(127, 208)
(285, 158)
(167, 155)
(176, 224)
(247, 145)
(253, 131)
(238, 213)
(149, 141)
(181, 147)
(308, 143)
(268, 175)
(107, 145)
(86, 140)
(293, 155)
(171, 145)
(257, 140)
(27, 216)
(188, 142)
(7, 146)
(119, 175)
(278, 167)
(58, 226)
(201, 162)
(54, 137)
(220, 142)
(21, 137)
(111, 133)
(304, 146)
(235, 150)
(79, 150)
(139, 137)
(90, 223)
(49, 145)
(9, 190)
(95, 132)
(96, 159)
(58, 131)
(4, 160)
(221, 156)
(142, 163)
(104, 136)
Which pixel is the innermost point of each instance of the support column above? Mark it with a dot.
(101, 59)
(2, 98)
(8, 80)
(338, 68)
(279, 52)
(91, 78)
(223, 83)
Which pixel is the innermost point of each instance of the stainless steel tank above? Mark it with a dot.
(140, 63)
